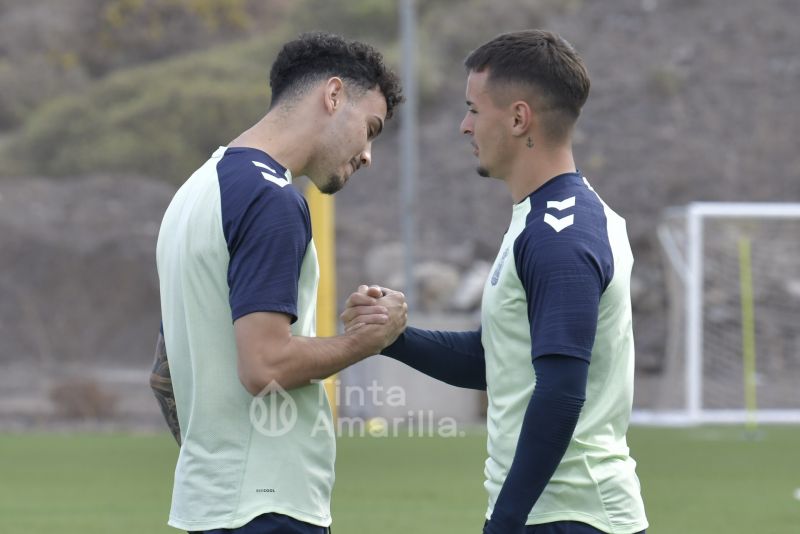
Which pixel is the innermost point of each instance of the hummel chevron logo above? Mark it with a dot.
(271, 177)
(265, 166)
(562, 205)
(277, 181)
(559, 224)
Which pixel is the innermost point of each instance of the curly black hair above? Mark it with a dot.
(316, 55)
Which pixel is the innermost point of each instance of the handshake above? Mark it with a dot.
(376, 316)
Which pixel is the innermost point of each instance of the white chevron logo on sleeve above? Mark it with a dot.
(265, 166)
(562, 205)
(277, 181)
(271, 177)
(559, 224)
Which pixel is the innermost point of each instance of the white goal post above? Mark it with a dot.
(733, 279)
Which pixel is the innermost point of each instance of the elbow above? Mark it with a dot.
(266, 378)
(250, 385)
(269, 380)
(261, 382)
(267, 370)
(258, 371)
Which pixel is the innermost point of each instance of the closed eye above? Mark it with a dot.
(374, 131)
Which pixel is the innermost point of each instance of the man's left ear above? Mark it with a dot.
(522, 117)
(334, 91)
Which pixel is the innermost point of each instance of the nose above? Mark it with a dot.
(366, 156)
(466, 124)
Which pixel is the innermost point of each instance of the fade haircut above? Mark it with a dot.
(542, 61)
(317, 55)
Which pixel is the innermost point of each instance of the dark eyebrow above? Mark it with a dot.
(470, 104)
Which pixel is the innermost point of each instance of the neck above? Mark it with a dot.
(285, 138)
(536, 167)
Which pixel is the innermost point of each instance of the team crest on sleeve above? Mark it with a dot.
(496, 273)
(557, 223)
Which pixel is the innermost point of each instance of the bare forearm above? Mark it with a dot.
(305, 359)
(268, 352)
(161, 384)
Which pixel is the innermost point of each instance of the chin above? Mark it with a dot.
(332, 185)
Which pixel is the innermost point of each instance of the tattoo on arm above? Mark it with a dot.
(161, 384)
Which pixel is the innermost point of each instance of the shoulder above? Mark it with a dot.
(568, 203)
(252, 171)
(250, 177)
(565, 214)
(566, 222)
(255, 190)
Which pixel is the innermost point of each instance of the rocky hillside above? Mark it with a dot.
(690, 101)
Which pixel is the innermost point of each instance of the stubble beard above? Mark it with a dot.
(333, 184)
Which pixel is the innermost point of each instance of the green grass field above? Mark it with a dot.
(701, 480)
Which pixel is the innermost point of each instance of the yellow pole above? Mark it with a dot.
(323, 228)
(748, 332)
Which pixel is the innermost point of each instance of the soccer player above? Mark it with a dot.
(555, 347)
(238, 278)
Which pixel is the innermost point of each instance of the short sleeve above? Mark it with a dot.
(267, 228)
(564, 278)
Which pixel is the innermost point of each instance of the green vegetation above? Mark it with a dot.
(159, 120)
(51, 47)
(695, 481)
(153, 86)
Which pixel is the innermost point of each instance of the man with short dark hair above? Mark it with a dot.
(238, 279)
(555, 347)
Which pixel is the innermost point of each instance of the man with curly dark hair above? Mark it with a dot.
(238, 279)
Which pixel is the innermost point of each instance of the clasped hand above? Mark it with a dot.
(376, 313)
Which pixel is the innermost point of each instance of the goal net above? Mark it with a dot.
(733, 284)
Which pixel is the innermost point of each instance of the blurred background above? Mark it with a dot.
(107, 106)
